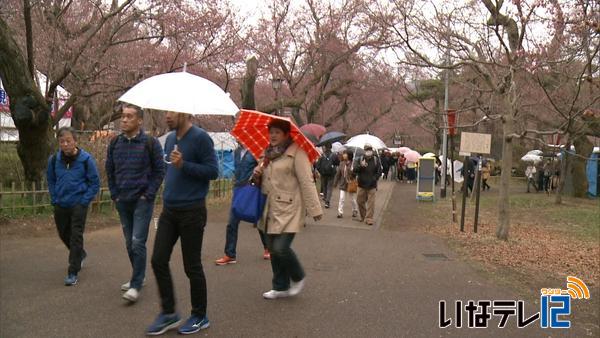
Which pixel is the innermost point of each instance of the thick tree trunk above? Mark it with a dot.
(29, 110)
(248, 84)
(583, 148)
(507, 158)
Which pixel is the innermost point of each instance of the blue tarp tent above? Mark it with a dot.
(592, 174)
(226, 163)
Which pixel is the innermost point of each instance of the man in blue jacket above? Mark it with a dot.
(192, 165)
(73, 183)
(244, 167)
(135, 170)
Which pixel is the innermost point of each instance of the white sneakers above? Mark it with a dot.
(132, 295)
(273, 294)
(294, 290)
(127, 285)
(296, 287)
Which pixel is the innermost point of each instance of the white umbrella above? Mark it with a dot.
(181, 92)
(531, 158)
(535, 152)
(429, 155)
(359, 141)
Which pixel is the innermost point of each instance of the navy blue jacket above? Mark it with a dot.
(132, 169)
(244, 166)
(77, 183)
(189, 185)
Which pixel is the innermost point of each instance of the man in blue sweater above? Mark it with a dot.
(135, 170)
(192, 164)
(244, 167)
(73, 183)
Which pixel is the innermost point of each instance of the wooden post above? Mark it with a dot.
(465, 190)
(33, 198)
(477, 191)
(12, 196)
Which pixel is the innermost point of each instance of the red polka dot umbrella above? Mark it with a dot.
(251, 130)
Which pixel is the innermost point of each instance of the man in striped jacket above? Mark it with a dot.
(135, 170)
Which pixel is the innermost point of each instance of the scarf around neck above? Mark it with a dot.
(274, 152)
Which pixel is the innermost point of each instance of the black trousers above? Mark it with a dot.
(187, 224)
(70, 223)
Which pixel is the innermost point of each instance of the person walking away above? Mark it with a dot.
(547, 175)
(438, 170)
(291, 194)
(346, 181)
(539, 168)
(192, 165)
(135, 170)
(394, 167)
(401, 167)
(469, 175)
(244, 164)
(411, 172)
(530, 175)
(385, 164)
(368, 172)
(327, 169)
(73, 183)
(485, 176)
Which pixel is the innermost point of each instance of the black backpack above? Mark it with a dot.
(326, 166)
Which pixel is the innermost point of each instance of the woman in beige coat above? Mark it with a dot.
(287, 181)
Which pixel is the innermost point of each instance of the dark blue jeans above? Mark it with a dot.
(232, 234)
(135, 219)
(284, 263)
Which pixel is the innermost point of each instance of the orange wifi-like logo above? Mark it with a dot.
(577, 288)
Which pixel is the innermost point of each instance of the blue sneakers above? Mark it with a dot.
(71, 279)
(163, 323)
(194, 324)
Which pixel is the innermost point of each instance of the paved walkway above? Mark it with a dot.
(361, 282)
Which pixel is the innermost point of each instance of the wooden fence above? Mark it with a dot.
(26, 199)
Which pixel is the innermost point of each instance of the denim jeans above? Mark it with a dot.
(232, 234)
(188, 224)
(135, 219)
(70, 223)
(284, 263)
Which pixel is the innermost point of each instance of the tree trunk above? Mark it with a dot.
(248, 84)
(583, 148)
(507, 158)
(29, 109)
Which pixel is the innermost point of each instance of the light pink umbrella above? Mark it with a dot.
(412, 156)
(404, 150)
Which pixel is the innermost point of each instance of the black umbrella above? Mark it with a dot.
(331, 137)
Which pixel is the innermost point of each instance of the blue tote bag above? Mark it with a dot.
(248, 203)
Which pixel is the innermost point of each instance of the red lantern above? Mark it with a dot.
(451, 122)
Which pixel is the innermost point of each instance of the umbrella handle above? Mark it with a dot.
(165, 156)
